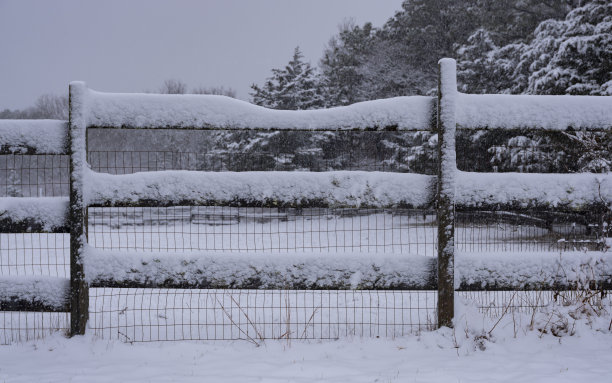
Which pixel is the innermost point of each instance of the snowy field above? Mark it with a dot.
(480, 349)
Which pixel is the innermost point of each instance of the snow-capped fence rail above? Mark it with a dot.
(154, 111)
(42, 216)
(269, 189)
(33, 136)
(34, 294)
(448, 192)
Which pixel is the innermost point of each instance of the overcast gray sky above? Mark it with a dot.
(134, 45)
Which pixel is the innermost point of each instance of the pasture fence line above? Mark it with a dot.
(269, 211)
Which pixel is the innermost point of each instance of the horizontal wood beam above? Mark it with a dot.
(17, 304)
(29, 225)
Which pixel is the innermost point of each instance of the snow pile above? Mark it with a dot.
(50, 212)
(207, 111)
(44, 136)
(529, 190)
(535, 112)
(530, 317)
(345, 188)
(260, 271)
(48, 291)
(527, 270)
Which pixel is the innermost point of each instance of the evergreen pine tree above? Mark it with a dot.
(342, 61)
(295, 87)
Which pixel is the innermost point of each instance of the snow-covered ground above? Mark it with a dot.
(512, 352)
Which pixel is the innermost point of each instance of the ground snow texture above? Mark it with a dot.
(430, 357)
(509, 352)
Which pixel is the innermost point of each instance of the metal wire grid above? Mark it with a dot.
(16, 326)
(120, 151)
(497, 303)
(33, 254)
(524, 231)
(494, 158)
(258, 229)
(36, 175)
(122, 162)
(142, 315)
(126, 162)
(276, 230)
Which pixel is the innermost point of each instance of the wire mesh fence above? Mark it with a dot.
(495, 304)
(258, 229)
(35, 254)
(410, 231)
(34, 175)
(533, 230)
(127, 162)
(120, 151)
(534, 152)
(144, 315)
(169, 314)
(16, 326)
(137, 315)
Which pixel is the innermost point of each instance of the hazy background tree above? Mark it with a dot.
(173, 86)
(214, 90)
(55, 107)
(48, 106)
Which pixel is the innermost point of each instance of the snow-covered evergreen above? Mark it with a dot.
(295, 87)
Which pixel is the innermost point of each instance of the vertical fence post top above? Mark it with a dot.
(77, 84)
(448, 75)
(77, 92)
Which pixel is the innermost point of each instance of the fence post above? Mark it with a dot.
(447, 167)
(79, 291)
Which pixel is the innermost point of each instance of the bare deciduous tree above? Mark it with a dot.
(173, 86)
(215, 90)
(50, 106)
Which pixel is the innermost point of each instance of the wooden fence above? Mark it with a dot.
(448, 192)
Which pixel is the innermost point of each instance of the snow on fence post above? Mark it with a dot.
(79, 291)
(445, 198)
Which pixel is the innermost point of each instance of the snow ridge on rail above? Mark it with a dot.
(50, 212)
(43, 136)
(531, 190)
(47, 291)
(343, 270)
(348, 188)
(261, 271)
(532, 270)
(207, 111)
(342, 188)
(534, 112)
